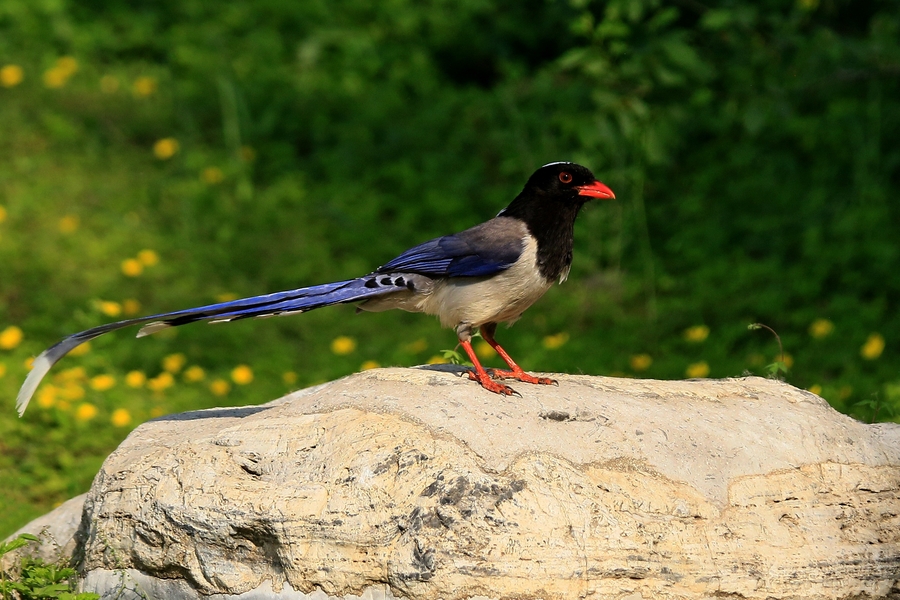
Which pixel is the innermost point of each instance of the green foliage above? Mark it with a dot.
(750, 146)
(778, 369)
(34, 579)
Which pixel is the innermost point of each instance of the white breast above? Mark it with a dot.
(497, 299)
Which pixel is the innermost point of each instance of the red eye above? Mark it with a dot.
(565, 177)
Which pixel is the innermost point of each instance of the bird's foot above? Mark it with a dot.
(491, 385)
(521, 375)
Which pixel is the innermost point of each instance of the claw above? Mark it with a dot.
(493, 386)
(523, 376)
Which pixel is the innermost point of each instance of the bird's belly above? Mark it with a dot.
(479, 300)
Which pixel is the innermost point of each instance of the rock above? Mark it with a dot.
(416, 483)
(56, 531)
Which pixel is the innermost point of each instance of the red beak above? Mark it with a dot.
(596, 190)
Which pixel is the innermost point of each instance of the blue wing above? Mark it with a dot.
(483, 250)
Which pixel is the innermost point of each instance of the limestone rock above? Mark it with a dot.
(415, 483)
(56, 531)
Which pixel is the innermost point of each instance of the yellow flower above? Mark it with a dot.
(248, 154)
(81, 349)
(72, 391)
(86, 411)
(436, 360)
(2, 369)
(219, 387)
(871, 350)
(148, 258)
(212, 175)
(2, 213)
(552, 342)
(845, 392)
(67, 65)
(10, 337)
(160, 382)
(697, 370)
(165, 148)
(369, 364)
(46, 397)
(194, 374)
(343, 345)
(132, 267)
(55, 78)
(417, 346)
(242, 375)
(816, 389)
(63, 405)
(640, 362)
(787, 359)
(120, 417)
(11, 75)
(289, 377)
(110, 308)
(109, 84)
(101, 383)
(144, 86)
(131, 307)
(72, 374)
(821, 328)
(135, 379)
(173, 362)
(68, 224)
(697, 333)
(484, 350)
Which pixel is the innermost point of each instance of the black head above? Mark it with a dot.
(565, 180)
(548, 205)
(560, 187)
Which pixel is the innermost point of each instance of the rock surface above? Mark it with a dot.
(415, 483)
(56, 531)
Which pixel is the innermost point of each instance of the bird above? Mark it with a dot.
(472, 280)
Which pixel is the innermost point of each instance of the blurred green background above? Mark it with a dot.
(157, 156)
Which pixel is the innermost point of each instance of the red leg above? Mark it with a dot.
(481, 376)
(515, 372)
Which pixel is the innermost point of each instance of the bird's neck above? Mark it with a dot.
(552, 224)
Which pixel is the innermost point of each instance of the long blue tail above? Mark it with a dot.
(279, 303)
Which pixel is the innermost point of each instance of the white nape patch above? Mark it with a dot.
(39, 368)
(152, 328)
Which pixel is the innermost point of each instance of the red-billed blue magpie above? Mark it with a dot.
(471, 280)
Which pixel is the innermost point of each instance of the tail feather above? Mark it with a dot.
(291, 301)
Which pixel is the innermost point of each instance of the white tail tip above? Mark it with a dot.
(39, 368)
(152, 328)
